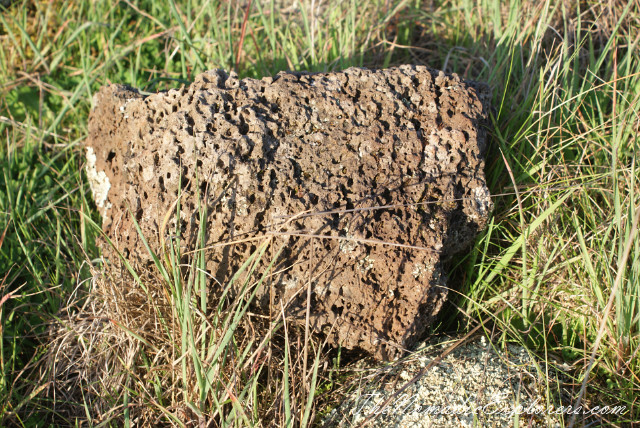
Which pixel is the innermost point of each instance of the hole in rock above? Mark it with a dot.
(337, 310)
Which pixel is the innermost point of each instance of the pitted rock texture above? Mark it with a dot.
(386, 165)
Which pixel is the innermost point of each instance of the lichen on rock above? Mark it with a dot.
(387, 166)
(98, 181)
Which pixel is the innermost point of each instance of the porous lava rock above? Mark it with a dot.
(371, 179)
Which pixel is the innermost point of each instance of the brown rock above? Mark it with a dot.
(408, 139)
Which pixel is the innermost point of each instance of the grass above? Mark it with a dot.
(557, 270)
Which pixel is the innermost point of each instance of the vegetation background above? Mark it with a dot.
(557, 270)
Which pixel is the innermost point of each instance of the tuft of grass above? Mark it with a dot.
(557, 270)
(165, 347)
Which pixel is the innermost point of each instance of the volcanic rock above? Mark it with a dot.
(370, 178)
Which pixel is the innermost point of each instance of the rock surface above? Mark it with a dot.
(387, 166)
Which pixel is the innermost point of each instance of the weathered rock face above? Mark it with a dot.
(386, 164)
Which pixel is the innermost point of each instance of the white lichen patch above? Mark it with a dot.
(365, 264)
(148, 173)
(433, 224)
(242, 206)
(123, 108)
(98, 181)
(418, 270)
(236, 203)
(290, 284)
(349, 244)
(482, 199)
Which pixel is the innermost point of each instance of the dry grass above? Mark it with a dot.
(147, 351)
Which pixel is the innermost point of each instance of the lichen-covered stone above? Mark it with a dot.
(386, 164)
